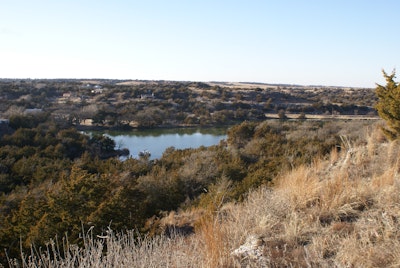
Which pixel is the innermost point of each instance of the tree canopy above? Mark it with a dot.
(388, 105)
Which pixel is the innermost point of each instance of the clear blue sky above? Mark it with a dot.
(318, 42)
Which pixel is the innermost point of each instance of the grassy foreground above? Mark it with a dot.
(342, 211)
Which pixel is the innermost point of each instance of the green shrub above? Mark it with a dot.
(388, 105)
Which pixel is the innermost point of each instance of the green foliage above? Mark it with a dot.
(388, 105)
(163, 189)
(241, 134)
(28, 121)
(101, 145)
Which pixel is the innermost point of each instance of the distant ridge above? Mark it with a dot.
(221, 83)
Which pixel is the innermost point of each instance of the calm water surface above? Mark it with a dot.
(156, 141)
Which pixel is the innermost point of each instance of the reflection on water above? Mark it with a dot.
(156, 141)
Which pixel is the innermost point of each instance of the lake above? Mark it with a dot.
(155, 141)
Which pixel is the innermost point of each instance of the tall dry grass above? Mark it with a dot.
(117, 250)
(340, 212)
(343, 211)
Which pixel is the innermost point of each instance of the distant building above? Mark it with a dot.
(147, 96)
(98, 90)
(33, 111)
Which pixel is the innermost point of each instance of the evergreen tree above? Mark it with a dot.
(388, 105)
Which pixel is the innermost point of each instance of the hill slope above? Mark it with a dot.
(342, 211)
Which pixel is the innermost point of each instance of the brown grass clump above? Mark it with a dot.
(213, 242)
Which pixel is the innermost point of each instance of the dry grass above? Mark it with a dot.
(339, 212)
(343, 212)
(118, 250)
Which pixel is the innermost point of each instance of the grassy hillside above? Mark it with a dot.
(339, 211)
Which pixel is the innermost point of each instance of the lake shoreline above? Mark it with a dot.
(88, 128)
(156, 140)
(289, 117)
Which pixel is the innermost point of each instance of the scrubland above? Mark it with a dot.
(142, 104)
(339, 210)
